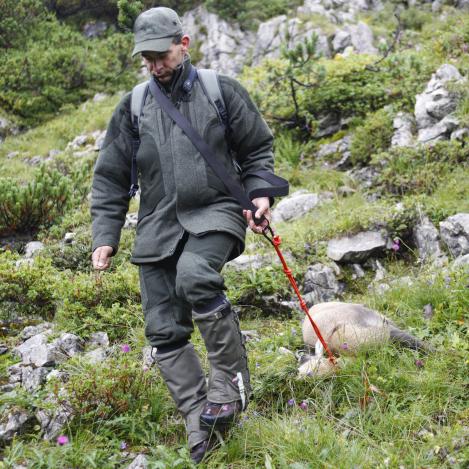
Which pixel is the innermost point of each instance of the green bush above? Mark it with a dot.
(30, 290)
(26, 209)
(419, 170)
(372, 137)
(95, 301)
(58, 66)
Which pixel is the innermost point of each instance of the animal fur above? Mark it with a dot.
(345, 327)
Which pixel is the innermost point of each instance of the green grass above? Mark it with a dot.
(55, 134)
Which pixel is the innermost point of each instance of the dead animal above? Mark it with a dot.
(345, 327)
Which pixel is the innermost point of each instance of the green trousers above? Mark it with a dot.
(171, 288)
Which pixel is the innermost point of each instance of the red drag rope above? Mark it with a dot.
(276, 241)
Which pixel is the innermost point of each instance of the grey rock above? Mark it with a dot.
(131, 220)
(32, 249)
(43, 328)
(462, 4)
(12, 154)
(460, 134)
(328, 125)
(342, 39)
(33, 378)
(14, 373)
(53, 153)
(435, 104)
(358, 35)
(34, 161)
(3, 349)
(321, 285)
(98, 97)
(16, 423)
(95, 356)
(140, 462)
(428, 311)
(59, 375)
(380, 271)
(340, 146)
(454, 232)
(281, 31)
(94, 29)
(256, 261)
(357, 248)
(247, 261)
(7, 127)
(403, 125)
(78, 142)
(462, 261)
(99, 140)
(223, 46)
(66, 346)
(36, 351)
(365, 176)
(98, 339)
(69, 237)
(251, 336)
(295, 206)
(442, 130)
(54, 420)
(358, 271)
(427, 240)
(285, 351)
(147, 357)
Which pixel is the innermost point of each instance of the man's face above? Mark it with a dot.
(163, 64)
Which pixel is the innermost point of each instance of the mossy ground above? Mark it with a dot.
(388, 407)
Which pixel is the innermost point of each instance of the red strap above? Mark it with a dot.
(276, 241)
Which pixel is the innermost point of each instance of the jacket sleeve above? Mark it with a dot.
(252, 141)
(111, 179)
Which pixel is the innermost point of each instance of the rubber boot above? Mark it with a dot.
(185, 379)
(229, 381)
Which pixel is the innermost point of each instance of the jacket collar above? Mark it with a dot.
(174, 89)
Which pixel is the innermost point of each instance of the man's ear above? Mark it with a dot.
(185, 41)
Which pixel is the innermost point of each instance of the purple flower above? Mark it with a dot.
(419, 363)
(62, 440)
(304, 405)
(125, 348)
(291, 402)
(344, 346)
(396, 245)
(123, 445)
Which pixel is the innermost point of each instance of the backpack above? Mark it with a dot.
(211, 87)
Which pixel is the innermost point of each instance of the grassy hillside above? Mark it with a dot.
(388, 407)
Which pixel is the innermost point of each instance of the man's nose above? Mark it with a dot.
(156, 64)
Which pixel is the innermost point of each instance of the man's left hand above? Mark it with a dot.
(263, 208)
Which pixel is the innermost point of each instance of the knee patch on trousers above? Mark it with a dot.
(197, 281)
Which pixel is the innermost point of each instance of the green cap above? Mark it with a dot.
(155, 29)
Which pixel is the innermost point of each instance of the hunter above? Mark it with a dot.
(189, 224)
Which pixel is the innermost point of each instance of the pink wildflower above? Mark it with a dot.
(125, 348)
(304, 405)
(344, 346)
(396, 245)
(419, 363)
(291, 402)
(123, 445)
(62, 440)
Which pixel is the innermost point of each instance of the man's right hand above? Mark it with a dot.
(101, 257)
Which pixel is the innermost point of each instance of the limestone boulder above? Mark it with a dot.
(454, 232)
(357, 248)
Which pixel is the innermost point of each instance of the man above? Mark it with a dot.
(189, 225)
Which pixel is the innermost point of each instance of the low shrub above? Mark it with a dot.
(414, 170)
(372, 137)
(31, 290)
(97, 301)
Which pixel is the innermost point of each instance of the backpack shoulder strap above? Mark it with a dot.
(211, 86)
(137, 99)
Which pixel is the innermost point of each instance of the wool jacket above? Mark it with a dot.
(179, 191)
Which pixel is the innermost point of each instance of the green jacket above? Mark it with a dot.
(179, 191)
